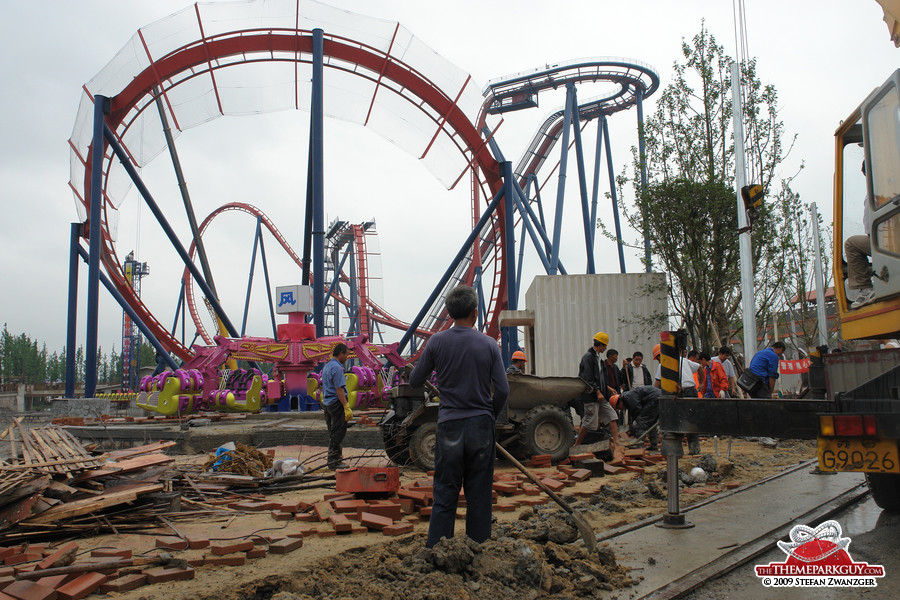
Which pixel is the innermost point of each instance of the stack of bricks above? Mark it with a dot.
(20, 575)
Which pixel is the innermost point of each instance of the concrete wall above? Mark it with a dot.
(570, 309)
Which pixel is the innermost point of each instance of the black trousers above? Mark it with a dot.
(463, 458)
(337, 429)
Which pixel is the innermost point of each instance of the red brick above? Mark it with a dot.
(257, 553)
(282, 516)
(6, 571)
(417, 497)
(197, 543)
(306, 517)
(732, 485)
(373, 521)
(425, 511)
(398, 529)
(506, 488)
(126, 583)
(17, 559)
(583, 456)
(6, 580)
(55, 581)
(222, 549)
(71, 548)
(224, 561)
(81, 586)
(254, 506)
(323, 510)
(612, 470)
(171, 543)
(634, 453)
(407, 505)
(337, 496)
(504, 507)
(111, 553)
(340, 523)
(553, 484)
(162, 575)
(29, 590)
(347, 506)
(9, 551)
(580, 475)
(322, 533)
(286, 545)
(391, 511)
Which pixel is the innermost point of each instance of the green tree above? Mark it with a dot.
(688, 211)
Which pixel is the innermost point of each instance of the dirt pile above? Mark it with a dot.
(456, 569)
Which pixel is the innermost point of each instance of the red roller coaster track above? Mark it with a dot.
(246, 46)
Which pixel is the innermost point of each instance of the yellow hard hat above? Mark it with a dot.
(519, 355)
(601, 337)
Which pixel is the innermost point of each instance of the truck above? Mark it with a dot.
(854, 409)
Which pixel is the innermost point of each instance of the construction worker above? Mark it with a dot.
(595, 406)
(336, 408)
(642, 403)
(468, 365)
(518, 364)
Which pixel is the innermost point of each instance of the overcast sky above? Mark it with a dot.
(822, 56)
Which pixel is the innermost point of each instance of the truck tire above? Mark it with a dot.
(395, 446)
(885, 489)
(547, 429)
(421, 446)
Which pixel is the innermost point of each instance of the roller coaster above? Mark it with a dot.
(187, 67)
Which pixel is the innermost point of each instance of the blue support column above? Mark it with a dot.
(265, 264)
(509, 335)
(639, 93)
(72, 321)
(317, 108)
(535, 229)
(101, 107)
(582, 186)
(613, 195)
(256, 237)
(595, 196)
(466, 247)
(561, 187)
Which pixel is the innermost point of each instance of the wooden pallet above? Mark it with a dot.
(49, 450)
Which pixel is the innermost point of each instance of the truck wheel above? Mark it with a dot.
(421, 446)
(547, 430)
(395, 446)
(885, 489)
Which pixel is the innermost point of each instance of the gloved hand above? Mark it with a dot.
(348, 413)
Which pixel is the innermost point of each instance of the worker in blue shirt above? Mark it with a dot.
(336, 408)
(473, 390)
(765, 366)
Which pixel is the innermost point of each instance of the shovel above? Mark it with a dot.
(587, 534)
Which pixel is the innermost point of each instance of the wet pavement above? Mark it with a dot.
(729, 530)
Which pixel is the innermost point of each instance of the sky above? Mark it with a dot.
(822, 56)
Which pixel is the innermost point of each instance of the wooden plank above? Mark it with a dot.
(50, 453)
(17, 511)
(26, 446)
(126, 466)
(137, 450)
(75, 448)
(91, 505)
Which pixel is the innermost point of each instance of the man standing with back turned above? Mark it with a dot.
(466, 363)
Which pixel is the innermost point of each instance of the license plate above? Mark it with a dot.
(852, 454)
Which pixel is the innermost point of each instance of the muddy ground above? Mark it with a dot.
(531, 553)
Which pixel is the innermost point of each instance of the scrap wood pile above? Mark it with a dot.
(51, 485)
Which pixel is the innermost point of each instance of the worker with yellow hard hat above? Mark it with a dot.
(593, 407)
(518, 363)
